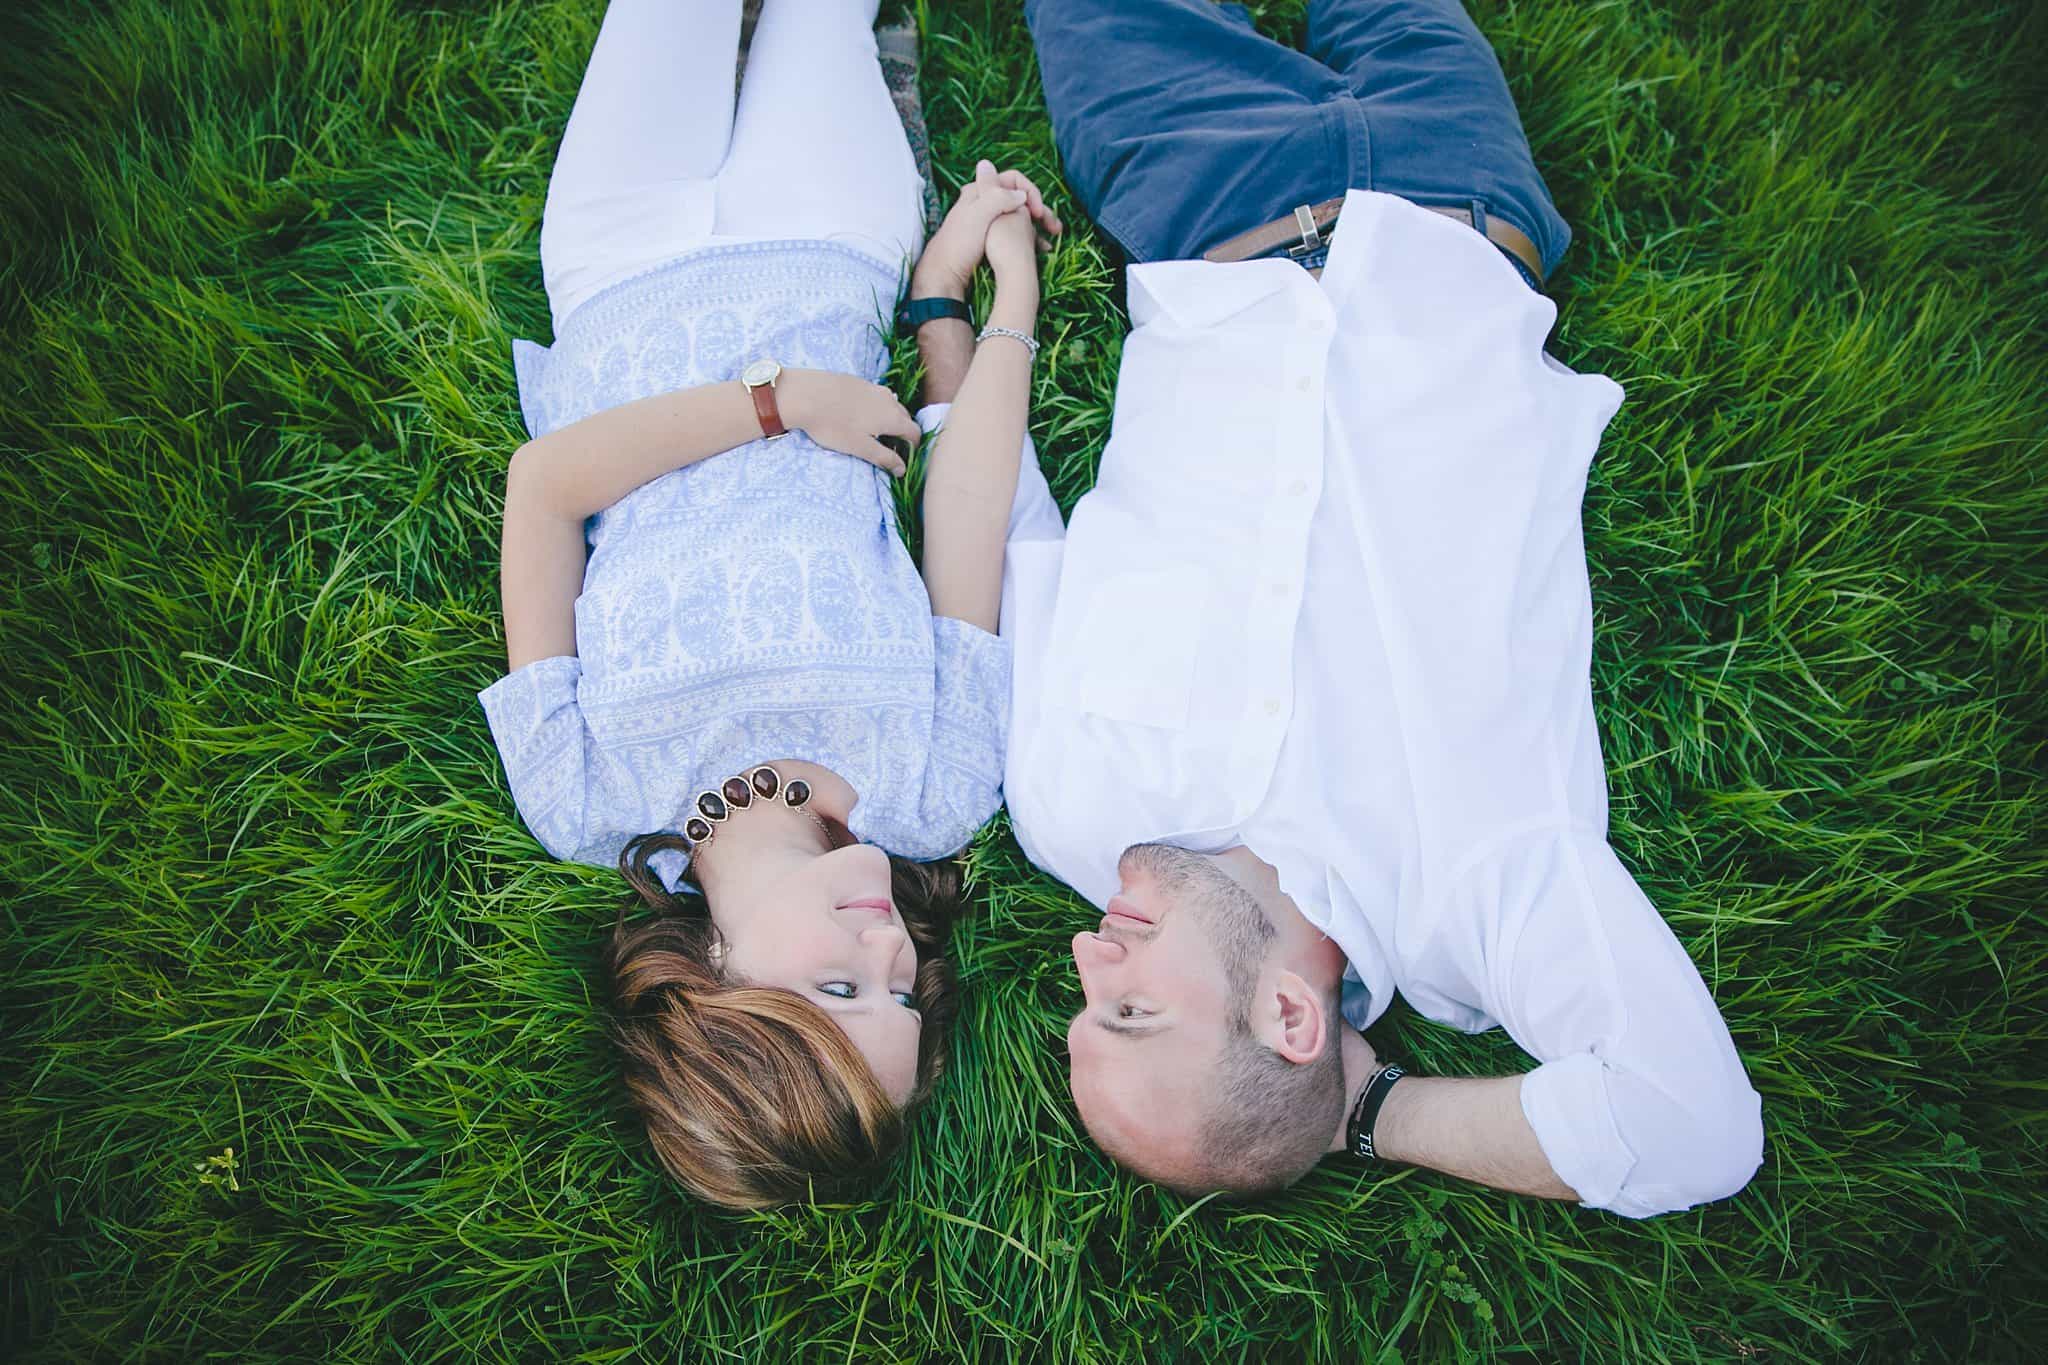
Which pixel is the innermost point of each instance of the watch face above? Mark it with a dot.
(760, 372)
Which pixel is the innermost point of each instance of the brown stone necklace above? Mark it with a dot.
(763, 783)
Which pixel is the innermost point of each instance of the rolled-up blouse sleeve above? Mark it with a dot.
(970, 730)
(545, 747)
(971, 698)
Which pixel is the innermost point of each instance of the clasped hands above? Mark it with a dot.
(999, 217)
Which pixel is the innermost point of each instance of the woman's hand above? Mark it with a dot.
(846, 414)
(1046, 223)
(1015, 238)
(1009, 237)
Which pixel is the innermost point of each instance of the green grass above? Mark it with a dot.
(265, 889)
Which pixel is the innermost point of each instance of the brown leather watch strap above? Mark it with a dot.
(766, 409)
(1292, 234)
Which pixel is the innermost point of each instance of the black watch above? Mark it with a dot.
(915, 313)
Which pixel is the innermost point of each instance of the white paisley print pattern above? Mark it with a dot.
(756, 605)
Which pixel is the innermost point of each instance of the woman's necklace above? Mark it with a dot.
(738, 793)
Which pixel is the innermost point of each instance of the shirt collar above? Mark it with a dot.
(1202, 293)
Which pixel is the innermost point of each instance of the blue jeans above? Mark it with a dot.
(1182, 126)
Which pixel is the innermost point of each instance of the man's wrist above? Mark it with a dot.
(937, 284)
(918, 313)
(1391, 1128)
(1378, 1090)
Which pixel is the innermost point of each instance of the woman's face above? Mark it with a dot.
(825, 926)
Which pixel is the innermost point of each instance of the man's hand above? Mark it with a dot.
(958, 246)
(1049, 224)
(846, 414)
(1366, 1060)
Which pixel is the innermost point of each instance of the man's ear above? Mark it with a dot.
(1297, 1027)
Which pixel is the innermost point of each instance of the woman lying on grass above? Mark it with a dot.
(744, 697)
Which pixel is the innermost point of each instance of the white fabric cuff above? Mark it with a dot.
(1033, 513)
(1566, 1103)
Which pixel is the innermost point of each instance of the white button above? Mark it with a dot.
(1272, 706)
(1304, 383)
(1298, 487)
(1279, 590)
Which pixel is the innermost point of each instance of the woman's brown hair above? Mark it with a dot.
(751, 1095)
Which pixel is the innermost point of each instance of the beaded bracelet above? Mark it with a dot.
(1029, 341)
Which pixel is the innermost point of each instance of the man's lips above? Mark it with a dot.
(1119, 908)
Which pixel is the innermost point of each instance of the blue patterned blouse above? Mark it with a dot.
(757, 605)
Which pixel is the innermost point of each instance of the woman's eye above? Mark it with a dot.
(1128, 1011)
(905, 999)
(845, 990)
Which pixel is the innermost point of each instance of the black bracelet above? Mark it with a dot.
(915, 313)
(1367, 1111)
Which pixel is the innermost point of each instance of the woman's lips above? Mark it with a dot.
(876, 904)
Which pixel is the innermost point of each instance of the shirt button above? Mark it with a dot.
(1304, 384)
(1272, 706)
(1298, 487)
(1279, 590)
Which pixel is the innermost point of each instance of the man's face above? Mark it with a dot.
(1163, 977)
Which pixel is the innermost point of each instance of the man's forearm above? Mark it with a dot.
(1473, 1129)
(945, 346)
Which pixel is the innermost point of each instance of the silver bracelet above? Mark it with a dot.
(1029, 341)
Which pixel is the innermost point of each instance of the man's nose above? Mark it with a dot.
(1094, 954)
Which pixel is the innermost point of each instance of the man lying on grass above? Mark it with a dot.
(1301, 696)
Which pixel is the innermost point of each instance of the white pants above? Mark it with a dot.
(657, 161)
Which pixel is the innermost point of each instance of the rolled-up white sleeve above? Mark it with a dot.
(1640, 1102)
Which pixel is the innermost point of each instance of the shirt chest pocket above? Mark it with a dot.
(1126, 647)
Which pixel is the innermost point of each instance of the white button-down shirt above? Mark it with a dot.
(1328, 599)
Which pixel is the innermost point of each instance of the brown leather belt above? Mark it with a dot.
(1309, 227)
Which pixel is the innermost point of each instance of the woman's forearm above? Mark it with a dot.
(556, 481)
(972, 478)
(585, 467)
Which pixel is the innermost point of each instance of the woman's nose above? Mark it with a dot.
(873, 855)
(883, 939)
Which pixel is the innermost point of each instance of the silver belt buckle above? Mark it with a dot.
(1305, 223)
